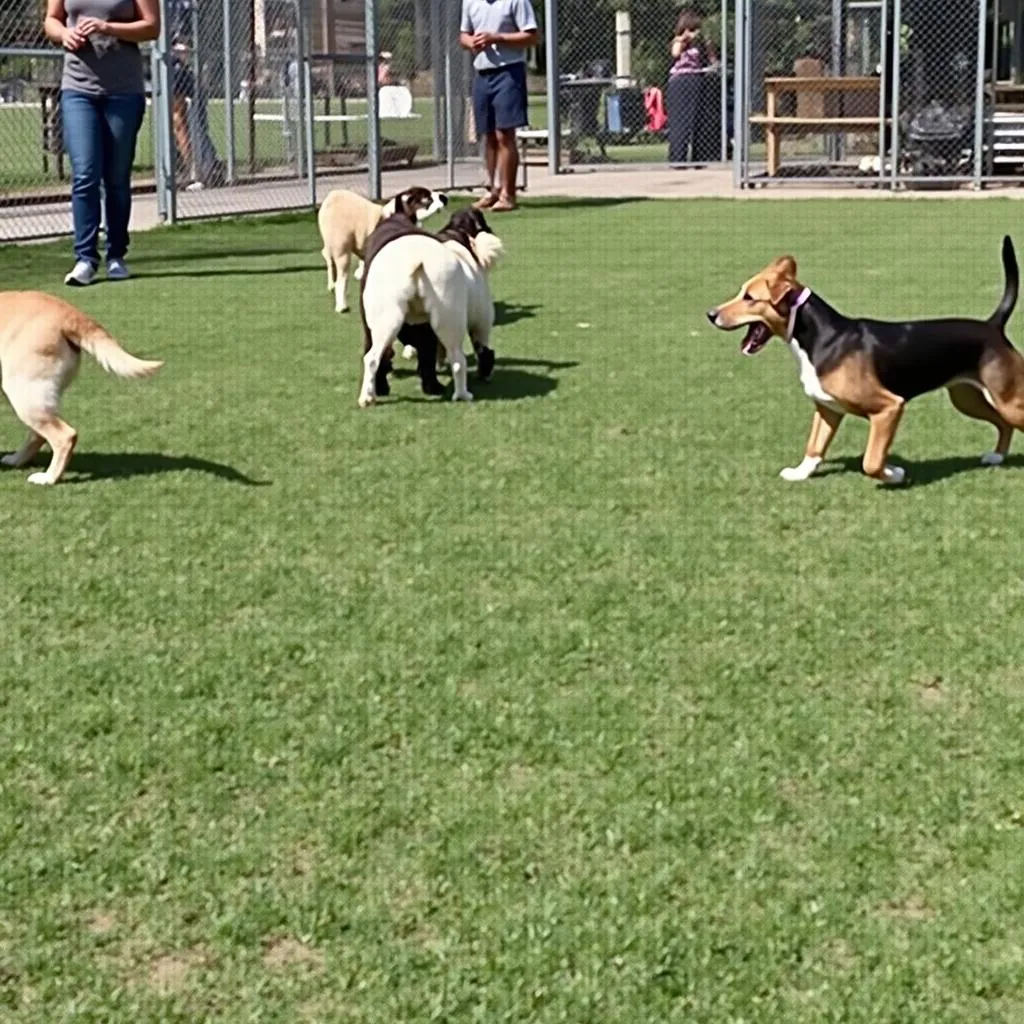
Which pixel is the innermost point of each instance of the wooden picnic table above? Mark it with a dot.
(807, 87)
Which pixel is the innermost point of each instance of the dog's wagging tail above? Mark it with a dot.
(1011, 272)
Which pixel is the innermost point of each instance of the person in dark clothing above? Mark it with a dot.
(191, 126)
(693, 62)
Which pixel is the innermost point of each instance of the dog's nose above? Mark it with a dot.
(712, 315)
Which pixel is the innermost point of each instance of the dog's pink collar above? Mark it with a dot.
(793, 310)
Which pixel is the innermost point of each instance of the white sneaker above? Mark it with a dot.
(82, 273)
(117, 271)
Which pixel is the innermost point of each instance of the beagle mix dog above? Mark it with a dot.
(872, 368)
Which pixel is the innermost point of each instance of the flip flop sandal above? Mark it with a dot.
(487, 202)
(503, 206)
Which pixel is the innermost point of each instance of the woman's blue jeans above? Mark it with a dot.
(99, 138)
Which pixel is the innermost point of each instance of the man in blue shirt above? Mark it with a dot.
(498, 33)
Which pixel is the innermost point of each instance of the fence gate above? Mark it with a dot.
(880, 93)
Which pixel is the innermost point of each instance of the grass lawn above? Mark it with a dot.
(556, 707)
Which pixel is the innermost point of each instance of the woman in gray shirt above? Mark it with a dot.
(103, 102)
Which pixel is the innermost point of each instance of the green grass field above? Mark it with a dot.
(556, 707)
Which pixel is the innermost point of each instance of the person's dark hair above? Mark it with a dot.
(689, 21)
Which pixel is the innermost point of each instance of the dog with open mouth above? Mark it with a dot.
(873, 368)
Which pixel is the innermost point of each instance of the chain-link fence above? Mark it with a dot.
(889, 93)
(645, 81)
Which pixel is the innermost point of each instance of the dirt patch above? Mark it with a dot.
(837, 955)
(280, 954)
(932, 693)
(911, 909)
(100, 922)
(169, 973)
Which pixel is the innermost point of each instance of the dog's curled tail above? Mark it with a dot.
(488, 249)
(1006, 304)
(109, 354)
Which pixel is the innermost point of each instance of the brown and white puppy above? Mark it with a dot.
(872, 368)
(41, 341)
(346, 220)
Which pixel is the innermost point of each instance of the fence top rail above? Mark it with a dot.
(342, 58)
(836, 83)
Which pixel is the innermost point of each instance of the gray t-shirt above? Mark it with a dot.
(498, 16)
(104, 66)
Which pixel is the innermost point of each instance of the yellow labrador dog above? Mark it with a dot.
(41, 340)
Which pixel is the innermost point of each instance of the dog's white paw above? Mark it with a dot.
(992, 459)
(43, 479)
(408, 353)
(365, 400)
(463, 396)
(341, 307)
(893, 475)
(795, 474)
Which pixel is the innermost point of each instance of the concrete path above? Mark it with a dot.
(599, 182)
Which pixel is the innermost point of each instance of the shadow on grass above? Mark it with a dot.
(508, 383)
(90, 466)
(294, 268)
(511, 312)
(582, 202)
(926, 471)
(217, 249)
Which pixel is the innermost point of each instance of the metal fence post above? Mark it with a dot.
(979, 97)
(897, 60)
(167, 150)
(437, 23)
(739, 60)
(306, 79)
(154, 125)
(372, 109)
(229, 95)
(883, 81)
(553, 78)
(449, 116)
(724, 72)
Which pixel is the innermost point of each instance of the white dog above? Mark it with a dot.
(414, 277)
(346, 220)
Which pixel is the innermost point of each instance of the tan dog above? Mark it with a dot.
(346, 220)
(873, 368)
(41, 339)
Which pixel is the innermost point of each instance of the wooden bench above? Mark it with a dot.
(828, 90)
(1007, 135)
(537, 136)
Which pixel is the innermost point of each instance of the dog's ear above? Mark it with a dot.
(782, 279)
(785, 266)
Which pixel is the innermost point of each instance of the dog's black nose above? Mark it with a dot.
(712, 315)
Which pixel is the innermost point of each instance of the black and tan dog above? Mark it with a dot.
(872, 368)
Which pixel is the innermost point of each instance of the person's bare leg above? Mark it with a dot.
(491, 163)
(508, 168)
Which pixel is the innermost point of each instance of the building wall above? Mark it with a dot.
(339, 26)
